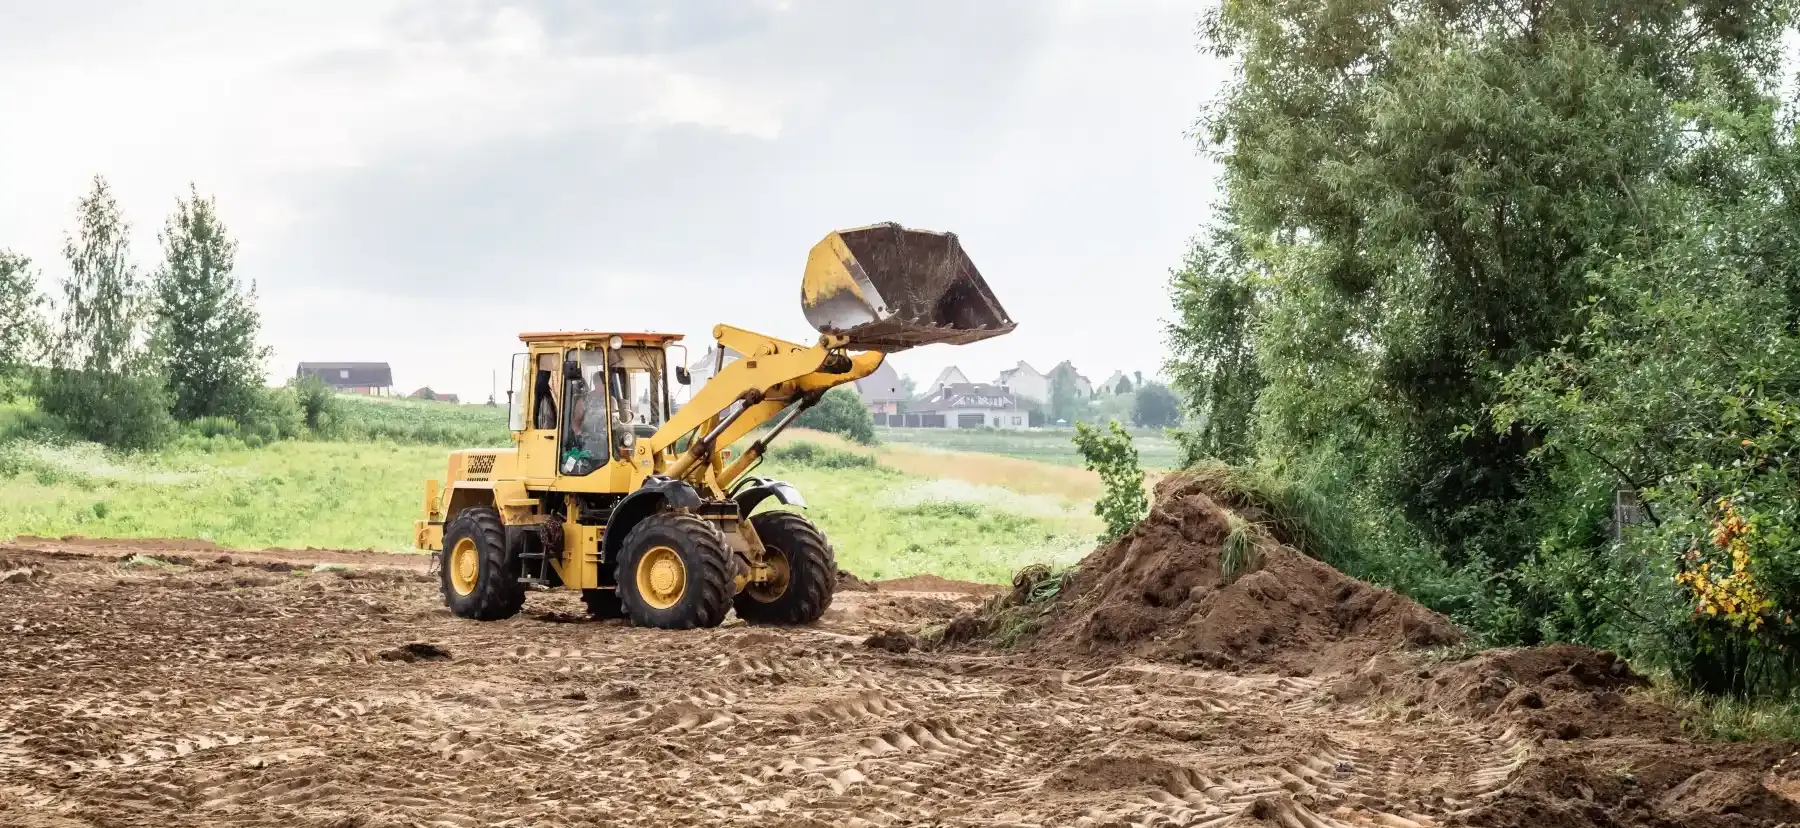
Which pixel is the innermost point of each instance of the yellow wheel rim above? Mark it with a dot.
(661, 577)
(772, 589)
(465, 566)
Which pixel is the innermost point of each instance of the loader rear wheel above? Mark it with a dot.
(805, 572)
(674, 573)
(477, 578)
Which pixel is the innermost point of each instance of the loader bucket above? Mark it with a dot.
(889, 288)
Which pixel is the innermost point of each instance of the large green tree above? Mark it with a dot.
(22, 330)
(1415, 194)
(205, 318)
(102, 380)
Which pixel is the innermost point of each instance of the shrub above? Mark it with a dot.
(1123, 502)
(802, 453)
(320, 408)
(841, 412)
(119, 410)
(274, 414)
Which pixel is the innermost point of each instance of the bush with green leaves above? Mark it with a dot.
(805, 453)
(843, 413)
(1110, 453)
(119, 410)
(320, 409)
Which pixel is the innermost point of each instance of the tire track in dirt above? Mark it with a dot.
(227, 696)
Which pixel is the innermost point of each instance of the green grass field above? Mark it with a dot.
(1155, 450)
(365, 495)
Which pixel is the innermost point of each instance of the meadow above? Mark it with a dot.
(890, 512)
(1045, 445)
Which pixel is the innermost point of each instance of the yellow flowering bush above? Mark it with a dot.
(1722, 576)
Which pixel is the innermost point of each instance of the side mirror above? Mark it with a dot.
(682, 376)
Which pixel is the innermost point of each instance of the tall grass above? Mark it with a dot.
(334, 494)
(1047, 445)
(421, 422)
(1017, 474)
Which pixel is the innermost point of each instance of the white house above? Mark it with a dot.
(1118, 383)
(1025, 382)
(948, 377)
(967, 405)
(1083, 388)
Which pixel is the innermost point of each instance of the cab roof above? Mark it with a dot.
(630, 337)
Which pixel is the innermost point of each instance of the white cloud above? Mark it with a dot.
(623, 164)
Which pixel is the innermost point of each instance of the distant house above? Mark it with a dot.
(1118, 383)
(374, 379)
(427, 394)
(1025, 382)
(708, 365)
(965, 405)
(1083, 388)
(881, 392)
(948, 377)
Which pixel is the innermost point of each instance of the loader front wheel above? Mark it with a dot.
(805, 572)
(674, 573)
(477, 578)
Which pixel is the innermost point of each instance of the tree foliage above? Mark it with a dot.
(205, 320)
(1065, 399)
(102, 380)
(22, 329)
(1450, 233)
(841, 412)
(1110, 453)
(1155, 406)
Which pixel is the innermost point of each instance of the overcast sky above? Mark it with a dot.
(416, 181)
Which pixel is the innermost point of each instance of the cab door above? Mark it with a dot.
(538, 442)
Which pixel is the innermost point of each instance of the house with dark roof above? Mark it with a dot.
(373, 379)
(966, 405)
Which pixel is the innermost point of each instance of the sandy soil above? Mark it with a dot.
(230, 691)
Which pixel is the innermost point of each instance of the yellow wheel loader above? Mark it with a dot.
(610, 490)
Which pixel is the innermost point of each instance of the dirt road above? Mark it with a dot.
(241, 694)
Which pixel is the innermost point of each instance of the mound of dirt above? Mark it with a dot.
(1637, 783)
(848, 582)
(416, 651)
(1165, 592)
(1565, 691)
(893, 640)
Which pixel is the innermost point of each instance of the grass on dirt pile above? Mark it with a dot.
(365, 495)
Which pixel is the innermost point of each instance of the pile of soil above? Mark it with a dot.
(1163, 592)
(1638, 783)
(848, 582)
(1564, 691)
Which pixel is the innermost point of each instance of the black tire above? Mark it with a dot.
(705, 579)
(811, 572)
(496, 592)
(603, 604)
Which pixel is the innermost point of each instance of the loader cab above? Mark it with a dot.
(592, 397)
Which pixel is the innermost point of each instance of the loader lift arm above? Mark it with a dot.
(773, 375)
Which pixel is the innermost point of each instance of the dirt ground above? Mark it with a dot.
(251, 689)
